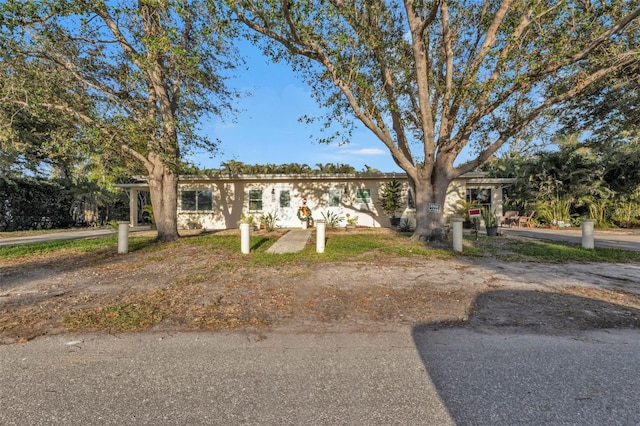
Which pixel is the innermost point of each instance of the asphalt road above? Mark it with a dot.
(57, 236)
(400, 377)
(218, 379)
(488, 378)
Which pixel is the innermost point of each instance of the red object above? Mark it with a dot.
(474, 213)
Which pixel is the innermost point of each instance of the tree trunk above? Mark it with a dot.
(430, 224)
(163, 189)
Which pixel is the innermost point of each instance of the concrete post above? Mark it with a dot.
(123, 237)
(133, 207)
(320, 228)
(587, 234)
(244, 238)
(456, 224)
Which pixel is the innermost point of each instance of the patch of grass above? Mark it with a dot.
(15, 234)
(118, 318)
(357, 243)
(89, 245)
(231, 243)
(194, 278)
(339, 247)
(564, 252)
(514, 250)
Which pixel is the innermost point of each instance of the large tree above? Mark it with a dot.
(153, 69)
(431, 78)
(37, 140)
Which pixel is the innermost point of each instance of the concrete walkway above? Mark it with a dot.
(291, 242)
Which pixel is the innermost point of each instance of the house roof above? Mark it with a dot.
(472, 177)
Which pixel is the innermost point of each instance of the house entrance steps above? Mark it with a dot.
(291, 242)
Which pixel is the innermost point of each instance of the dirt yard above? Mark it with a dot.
(187, 288)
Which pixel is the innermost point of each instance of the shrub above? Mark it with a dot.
(332, 219)
(269, 220)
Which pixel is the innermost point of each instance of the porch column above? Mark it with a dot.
(133, 207)
(497, 204)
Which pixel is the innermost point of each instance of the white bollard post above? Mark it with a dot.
(320, 228)
(587, 234)
(244, 238)
(123, 237)
(456, 224)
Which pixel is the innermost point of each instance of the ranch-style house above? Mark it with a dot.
(220, 202)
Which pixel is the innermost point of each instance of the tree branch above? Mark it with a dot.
(577, 88)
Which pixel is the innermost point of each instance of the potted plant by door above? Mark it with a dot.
(490, 221)
(391, 201)
(352, 221)
(462, 210)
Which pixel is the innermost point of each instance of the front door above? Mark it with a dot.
(286, 214)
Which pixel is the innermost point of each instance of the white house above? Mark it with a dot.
(219, 202)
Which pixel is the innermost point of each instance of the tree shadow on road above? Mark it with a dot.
(533, 357)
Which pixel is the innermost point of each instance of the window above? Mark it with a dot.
(285, 199)
(196, 201)
(255, 199)
(363, 198)
(481, 195)
(334, 197)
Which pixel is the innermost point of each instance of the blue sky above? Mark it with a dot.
(267, 129)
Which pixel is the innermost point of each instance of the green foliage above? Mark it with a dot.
(147, 213)
(606, 113)
(352, 220)
(137, 79)
(269, 220)
(340, 247)
(332, 219)
(578, 180)
(626, 211)
(489, 217)
(391, 197)
(557, 252)
(233, 167)
(247, 218)
(406, 225)
(90, 245)
(462, 208)
(430, 79)
(34, 203)
(117, 318)
(553, 211)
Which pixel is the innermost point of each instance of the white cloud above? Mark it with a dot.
(364, 151)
